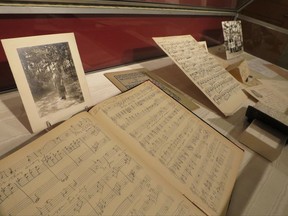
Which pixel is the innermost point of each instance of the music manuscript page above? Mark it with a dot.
(191, 155)
(222, 89)
(136, 153)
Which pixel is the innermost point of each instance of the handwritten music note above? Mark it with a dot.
(204, 71)
(80, 170)
(182, 145)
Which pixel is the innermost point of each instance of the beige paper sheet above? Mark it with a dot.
(188, 153)
(222, 89)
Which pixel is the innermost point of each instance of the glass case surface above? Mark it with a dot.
(206, 4)
(113, 38)
(265, 29)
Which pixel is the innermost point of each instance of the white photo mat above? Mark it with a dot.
(49, 76)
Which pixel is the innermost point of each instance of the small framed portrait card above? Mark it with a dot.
(233, 38)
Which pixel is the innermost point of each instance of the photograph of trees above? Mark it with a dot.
(52, 77)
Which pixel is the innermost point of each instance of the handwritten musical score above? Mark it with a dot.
(223, 90)
(181, 144)
(80, 170)
(139, 153)
(270, 96)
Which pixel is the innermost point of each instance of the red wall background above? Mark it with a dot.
(108, 40)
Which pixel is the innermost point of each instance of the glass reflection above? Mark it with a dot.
(207, 4)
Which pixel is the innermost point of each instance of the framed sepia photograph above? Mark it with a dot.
(49, 76)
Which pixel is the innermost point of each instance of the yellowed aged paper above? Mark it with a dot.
(180, 96)
(175, 77)
(204, 71)
(239, 70)
(192, 156)
(128, 79)
(79, 169)
(270, 96)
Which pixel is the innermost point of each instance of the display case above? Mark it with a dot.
(113, 33)
(265, 32)
(115, 38)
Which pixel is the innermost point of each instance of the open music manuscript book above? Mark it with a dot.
(138, 153)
